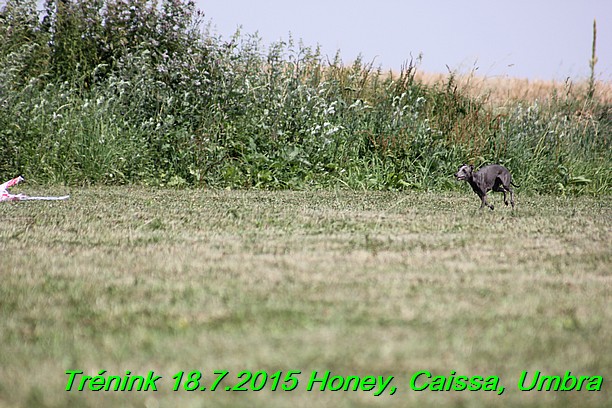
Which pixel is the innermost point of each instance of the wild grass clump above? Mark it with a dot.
(140, 92)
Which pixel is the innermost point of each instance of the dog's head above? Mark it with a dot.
(464, 172)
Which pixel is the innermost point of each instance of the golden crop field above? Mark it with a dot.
(500, 91)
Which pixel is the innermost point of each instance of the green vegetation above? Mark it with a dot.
(374, 283)
(138, 92)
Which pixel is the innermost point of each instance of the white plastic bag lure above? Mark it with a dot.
(6, 196)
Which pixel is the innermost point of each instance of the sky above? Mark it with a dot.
(534, 39)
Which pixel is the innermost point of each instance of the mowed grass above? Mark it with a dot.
(359, 283)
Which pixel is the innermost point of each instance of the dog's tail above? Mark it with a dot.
(517, 186)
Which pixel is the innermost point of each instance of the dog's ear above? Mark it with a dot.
(471, 167)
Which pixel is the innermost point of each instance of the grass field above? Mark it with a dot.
(381, 284)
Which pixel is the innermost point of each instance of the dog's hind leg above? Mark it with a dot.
(506, 187)
(500, 188)
(503, 189)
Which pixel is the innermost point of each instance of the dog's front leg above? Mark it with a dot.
(485, 202)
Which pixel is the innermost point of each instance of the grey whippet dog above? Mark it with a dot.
(493, 177)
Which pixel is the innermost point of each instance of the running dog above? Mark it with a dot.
(493, 177)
